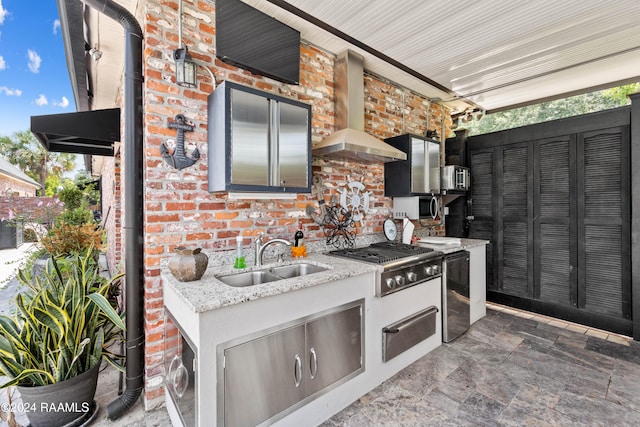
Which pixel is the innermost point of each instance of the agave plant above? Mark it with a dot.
(63, 326)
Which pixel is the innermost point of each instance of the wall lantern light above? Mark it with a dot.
(185, 68)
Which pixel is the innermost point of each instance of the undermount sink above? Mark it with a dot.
(249, 278)
(295, 270)
(271, 274)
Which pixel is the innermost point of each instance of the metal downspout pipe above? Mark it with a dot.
(134, 207)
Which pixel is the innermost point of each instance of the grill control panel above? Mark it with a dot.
(409, 275)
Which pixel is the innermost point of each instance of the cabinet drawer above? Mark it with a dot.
(404, 334)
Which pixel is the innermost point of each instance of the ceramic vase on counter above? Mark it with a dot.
(188, 264)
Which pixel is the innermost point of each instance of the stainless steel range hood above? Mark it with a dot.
(351, 141)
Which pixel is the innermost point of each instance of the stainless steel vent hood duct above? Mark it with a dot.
(351, 141)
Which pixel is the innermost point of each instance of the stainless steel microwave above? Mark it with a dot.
(455, 178)
(416, 207)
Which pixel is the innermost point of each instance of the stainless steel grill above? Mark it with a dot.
(403, 265)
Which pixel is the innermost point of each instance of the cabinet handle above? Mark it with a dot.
(402, 325)
(433, 207)
(313, 363)
(297, 371)
(180, 377)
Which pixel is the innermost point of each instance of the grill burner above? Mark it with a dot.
(380, 253)
(402, 247)
(404, 265)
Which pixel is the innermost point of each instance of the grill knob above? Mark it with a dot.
(428, 270)
(436, 269)
(391, 283)
(399, 280)
(411, 276)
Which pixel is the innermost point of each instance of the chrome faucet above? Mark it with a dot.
(261, 246)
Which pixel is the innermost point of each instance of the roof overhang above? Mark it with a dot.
(85, 132)
(71, 13)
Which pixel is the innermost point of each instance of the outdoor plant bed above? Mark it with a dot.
(52, 348)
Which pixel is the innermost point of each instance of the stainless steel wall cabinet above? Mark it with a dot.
(258, 141)
(420, 173)
(269, 375)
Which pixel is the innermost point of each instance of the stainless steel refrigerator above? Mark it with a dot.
(455, 295)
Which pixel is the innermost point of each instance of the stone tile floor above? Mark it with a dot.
(511, 369)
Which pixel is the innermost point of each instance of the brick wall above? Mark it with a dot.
(178, 208)
(36, 209)
(111, 212)
(22, 189)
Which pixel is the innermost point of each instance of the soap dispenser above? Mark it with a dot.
(239, 261)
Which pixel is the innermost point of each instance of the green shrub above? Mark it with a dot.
(78, 216)
(71, 196)
(76, 204)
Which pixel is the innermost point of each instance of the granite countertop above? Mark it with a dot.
(209, 293)
(450, 244)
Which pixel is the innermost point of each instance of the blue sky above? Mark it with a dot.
(33, 73)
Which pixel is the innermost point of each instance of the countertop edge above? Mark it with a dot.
(209, 293)
(455, 247)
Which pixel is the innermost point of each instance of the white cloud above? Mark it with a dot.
(64, 103)
(41, 101)
(3, 63)
(3, 13)
(34, 61)
(56, 25)
(10, 92)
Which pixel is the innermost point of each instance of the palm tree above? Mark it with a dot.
(23, 150)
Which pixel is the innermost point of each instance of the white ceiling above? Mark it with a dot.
(490, 54)
(496, 54)
(107, 35)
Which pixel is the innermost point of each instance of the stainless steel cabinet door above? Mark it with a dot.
(334, 348)
(418, 164)
(455, 297)
(180, 381)
(264, 377)
(249, 149)
(293, 147)
(433, 166)
(425, 166)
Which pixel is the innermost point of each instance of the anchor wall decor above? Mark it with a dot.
(179, 159)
